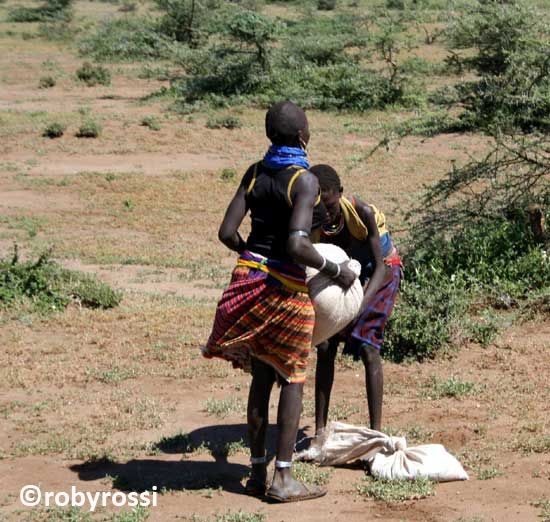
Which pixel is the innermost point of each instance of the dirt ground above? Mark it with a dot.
(101, 400)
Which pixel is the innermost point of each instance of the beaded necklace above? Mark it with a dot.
(334, 229)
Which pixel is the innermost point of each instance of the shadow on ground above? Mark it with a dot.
(143, 474)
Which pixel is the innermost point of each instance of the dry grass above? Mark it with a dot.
(125, 349)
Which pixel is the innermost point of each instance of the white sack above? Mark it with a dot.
(334, 307)
(388, 457)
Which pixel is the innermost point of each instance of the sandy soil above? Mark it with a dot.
(461, 425)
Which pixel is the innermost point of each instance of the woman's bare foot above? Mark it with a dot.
(256, 484)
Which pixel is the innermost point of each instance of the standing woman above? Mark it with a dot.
(264, 320)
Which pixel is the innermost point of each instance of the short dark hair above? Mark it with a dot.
(328, 178)
(283, 122)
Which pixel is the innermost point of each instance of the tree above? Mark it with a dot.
(184, 20)
(512, 176)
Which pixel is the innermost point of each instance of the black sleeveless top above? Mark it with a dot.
(268, 196)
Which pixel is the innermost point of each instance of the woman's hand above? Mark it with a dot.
(346, 277)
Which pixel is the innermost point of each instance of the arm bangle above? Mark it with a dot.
(337, 272)
(323, 265)
(331, 269)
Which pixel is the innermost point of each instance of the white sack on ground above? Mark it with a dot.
(334, 307)
(388, 457)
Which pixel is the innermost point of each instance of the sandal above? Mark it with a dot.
(309, 493)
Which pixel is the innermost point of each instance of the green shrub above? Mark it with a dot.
(93, 75)
(19, 281)
(127, 7)
(495, 29)
(475, 221)
(223, 407)
(334, 86)
(239, 66)
(350, 29)
(44, 286)
(507, 47)
(420, 66)
(319, 49)
(512, 61)
(54, 130)
(24, 15)
(129, 204)
(223, 122)
(155, 72)
(483, 332)
(452, 387)
(326, 5)
(449, 273)
(428, 124)
(428, 317)
(348, 86)
(396, 490)
(125, 39)
(239, 516)
(462, 257)
(517, 99)
(323, 40)
(50, 11)
(544, 505)
(46, 82)
(228, 174)
(57, 31)
(94, 294)
(395, 4)
(311, 473)
(89, 129)
(495, 252)
(258, 60)
(151, 122)
(253, 31)
(215, 75)
(186, 20)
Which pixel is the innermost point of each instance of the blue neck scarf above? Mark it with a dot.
(279, 156)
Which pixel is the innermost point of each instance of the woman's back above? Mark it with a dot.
(269, 199)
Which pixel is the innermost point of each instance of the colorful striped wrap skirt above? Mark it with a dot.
(265, 313)
(369, 327)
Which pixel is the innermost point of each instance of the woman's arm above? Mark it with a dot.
(373, 243)
(305, 193)
(228, 233)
